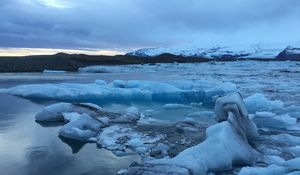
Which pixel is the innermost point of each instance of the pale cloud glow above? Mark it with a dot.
(56, 3)
(47, 51)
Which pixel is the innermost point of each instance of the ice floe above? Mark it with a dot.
(175, 106)
(54, 113)
(282, 168)
(194, 91)
(258, 102)
(83, 128)
(54, 71)
(271, 120)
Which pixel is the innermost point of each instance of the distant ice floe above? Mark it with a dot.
(54, 71)
(194, 91)
(175, 106)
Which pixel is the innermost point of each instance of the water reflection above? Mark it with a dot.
(29, 148)
(75, 145)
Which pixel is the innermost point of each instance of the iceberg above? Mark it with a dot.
(194, 91)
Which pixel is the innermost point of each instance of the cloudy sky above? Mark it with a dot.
(119, 26)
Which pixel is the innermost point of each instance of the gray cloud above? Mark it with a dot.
(126, 24)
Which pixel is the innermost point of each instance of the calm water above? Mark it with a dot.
(28, 148)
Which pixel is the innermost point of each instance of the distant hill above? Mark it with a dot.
(71, 62)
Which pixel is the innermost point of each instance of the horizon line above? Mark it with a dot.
(12, 51)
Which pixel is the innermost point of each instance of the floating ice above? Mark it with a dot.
(282, 168)
(284, 139)
(83, 128)
(120, 137)
(175, 106)
(204, 116)
(150, 112)
(271, 120)
(54, 71)
(54, 113)
(197, 91)
(258, 102)
(100, 82)
(132, 114)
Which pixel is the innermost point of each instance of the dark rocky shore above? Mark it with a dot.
(71, 62)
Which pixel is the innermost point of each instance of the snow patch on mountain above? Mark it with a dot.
(261, 51)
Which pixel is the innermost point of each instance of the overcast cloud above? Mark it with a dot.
(131, 24)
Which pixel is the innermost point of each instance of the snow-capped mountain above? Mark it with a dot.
(290, 53)
(252, 51)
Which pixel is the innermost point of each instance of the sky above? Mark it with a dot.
(110, 27)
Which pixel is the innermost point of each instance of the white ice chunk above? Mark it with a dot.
(258, 102)
(100, 82)
(204, 116)
(271, 120)
(83, 128)
(270, 170)
(286, 119)
(176, 106)
(54, 113)
(281, 168)
(208, 114)
(54, 71)
(71, 116)
(285, 138)
(265, 114)
(150, 112)
(273, 159)
(135, 142)
(295, 150)
(132, 114)
(196, 104)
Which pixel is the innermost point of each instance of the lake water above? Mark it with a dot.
(31, 149)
